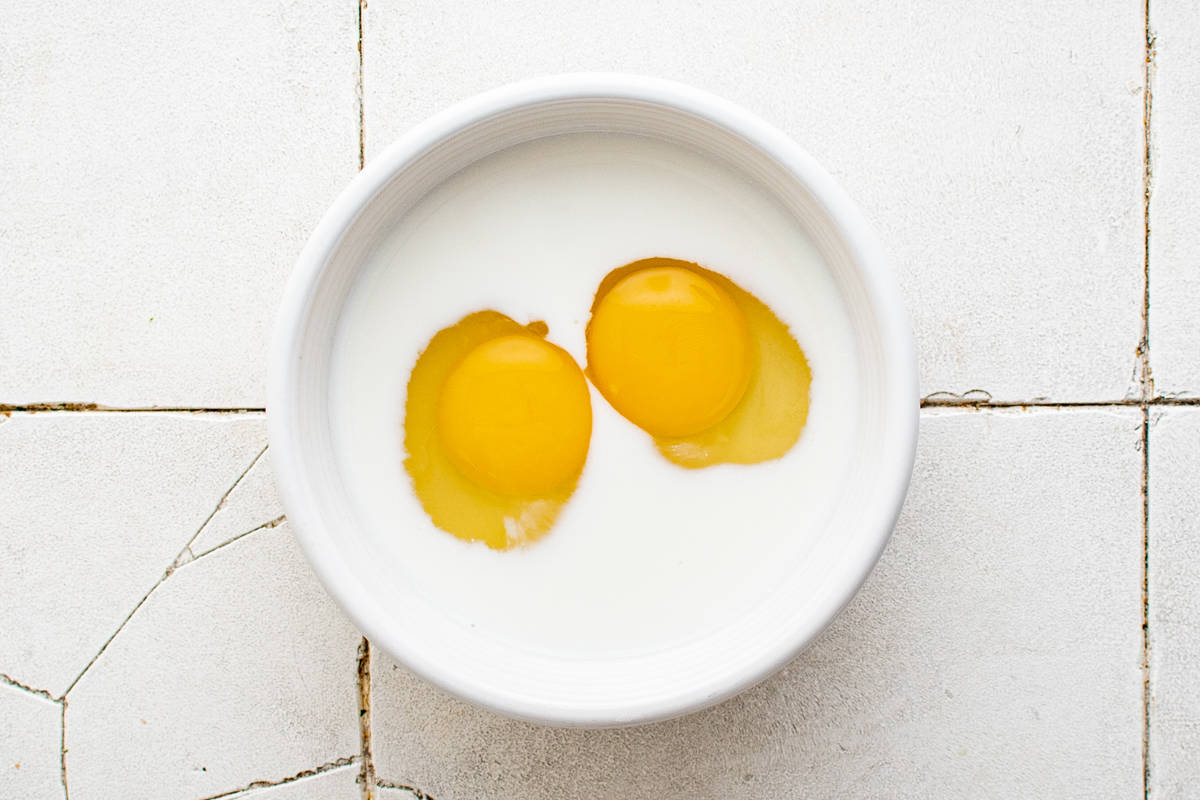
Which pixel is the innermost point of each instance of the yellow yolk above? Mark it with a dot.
(670, 351)
(642, 334)
(515, 416)
(497, 424)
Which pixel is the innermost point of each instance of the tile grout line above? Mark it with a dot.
(266, 526)
(1147, 190)
(328, 766)
(62, 750)
(75, 408)
(7, 680)
(1147, 381)
(175, 564)
(414, 791)
(358, 89)
(934, 400)
(366, 775)
(1145, 602)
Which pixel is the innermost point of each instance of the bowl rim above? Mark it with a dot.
(901, 397)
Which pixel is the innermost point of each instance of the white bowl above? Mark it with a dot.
(479, 668)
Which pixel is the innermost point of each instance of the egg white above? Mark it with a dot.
(645, 553)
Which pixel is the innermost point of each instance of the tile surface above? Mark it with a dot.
(163, 169)
(1175, 604)
(239, 668)
(30, 742)
(1174, 234)
(96, 507)
(995, 652)
(997, 149)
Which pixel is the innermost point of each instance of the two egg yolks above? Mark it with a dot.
(498, 420)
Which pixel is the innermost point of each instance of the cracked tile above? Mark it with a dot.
(996, 651)
(1174, 604)
(30, 738)
(239, 668)
(162, 169)
(252, 503)
(336, 784)
(1174, 235)
(96, 507)
(997, 149)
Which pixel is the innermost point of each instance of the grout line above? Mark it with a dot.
(120, 628)
(62, 751)
(46, 408)
(367, 774)
(221, 503)
(935, 400)
(171, 570)
(167, 573)
(1147, 384)
(416, 793)
(328, 766)
(1147, 191)
(967, 402)
(1146, 603)
(5, 680)
(266, 526)
(358, 89)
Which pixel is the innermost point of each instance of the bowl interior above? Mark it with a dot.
(538, 686)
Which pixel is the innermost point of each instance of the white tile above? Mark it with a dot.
(96, 507)
(996, 147)
(162, 168)
(30, 742)
(239, 668)
(340, 783)
(995, 652)
(1174, 587)
(253, 502)
(1174, 234)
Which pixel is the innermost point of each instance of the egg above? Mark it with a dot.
(641, 552)
(497, 423)
(697, 362)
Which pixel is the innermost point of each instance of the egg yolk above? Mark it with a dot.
(701, 364)
(497, 423)
(670, 350)
(515, 416)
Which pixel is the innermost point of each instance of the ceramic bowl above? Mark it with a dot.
(483, 669)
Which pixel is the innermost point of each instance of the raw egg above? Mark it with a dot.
(497, 426)
(699, 363)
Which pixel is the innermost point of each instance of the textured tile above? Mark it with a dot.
(995, 652)
(252, 503)
(1174, 234)
(336, 784)
(162, 168)
(30, 738)
(997, 148)
(96, 507)
(239, 668)
(1174, 604)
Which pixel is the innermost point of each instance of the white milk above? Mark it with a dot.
(645, 553)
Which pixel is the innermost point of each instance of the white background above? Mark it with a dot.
(1032, 631)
